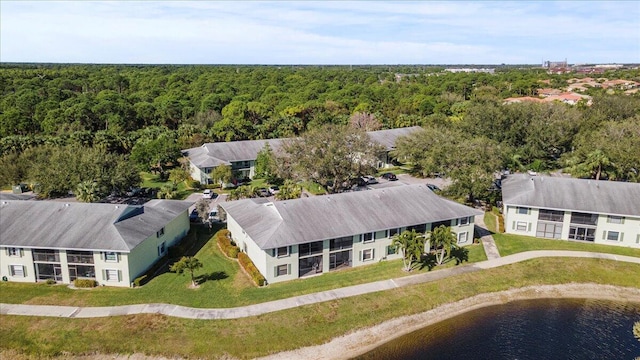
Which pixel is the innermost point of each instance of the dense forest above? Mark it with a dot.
(109, 121)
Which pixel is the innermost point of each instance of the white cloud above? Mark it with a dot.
(319, 32)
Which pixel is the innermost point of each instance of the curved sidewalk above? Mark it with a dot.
(283, 304)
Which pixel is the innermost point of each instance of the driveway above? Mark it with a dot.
(411, 180)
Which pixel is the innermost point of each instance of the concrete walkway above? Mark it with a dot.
(277, 305)
(486, 238)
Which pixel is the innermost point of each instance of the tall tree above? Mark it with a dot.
(289, 190)
(266, 164)
(443, 240)
(410, 244)
(329, 155)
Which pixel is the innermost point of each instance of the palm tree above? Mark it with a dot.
(88, 191)
(443, 240)
(290, 190)
(596, 161)
(411, 246)
(187, 264)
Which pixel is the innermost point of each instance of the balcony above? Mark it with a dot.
(79, 258)
(50, 256)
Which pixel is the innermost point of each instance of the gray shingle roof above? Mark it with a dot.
(304, 220)
(58, 225)
(603, 197)
(223, 153)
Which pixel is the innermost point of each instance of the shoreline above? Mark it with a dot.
(361, 341)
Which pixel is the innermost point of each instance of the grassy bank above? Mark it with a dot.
(224, 284)
(510, 244)
(290, 329)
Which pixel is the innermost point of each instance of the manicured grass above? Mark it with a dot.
(314, 188)
(490, 221)
(226, 286)
(510, 244)
(150, 180)
(285, 330)
(258, 183)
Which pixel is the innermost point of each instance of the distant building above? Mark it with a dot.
(471, 70)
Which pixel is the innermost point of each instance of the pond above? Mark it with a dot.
(528, 329)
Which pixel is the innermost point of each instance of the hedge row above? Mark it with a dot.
(251, 269)
(223, 237)
(500, 223)
(85, 283)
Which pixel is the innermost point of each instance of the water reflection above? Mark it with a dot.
(531, 329)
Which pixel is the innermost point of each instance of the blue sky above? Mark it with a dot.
(319, 32)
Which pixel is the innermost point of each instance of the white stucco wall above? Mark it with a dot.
(24, 258)
(629, 230)
(143, 256)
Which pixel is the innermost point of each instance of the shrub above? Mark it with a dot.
(177, 250)
(139, 281)
(251, 269)
(50, 282)
(85, 283)
(223, 239)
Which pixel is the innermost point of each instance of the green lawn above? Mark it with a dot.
(150, 180)
(510, 244)
(314, 188)
(490, 221)
(158, 335)
(226, 286)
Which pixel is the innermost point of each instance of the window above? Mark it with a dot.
(310, 248)
(521, 226)
(13, 251)
(522, 210)
(282, 270)
(421, 228)
(111, 257)
(380, 234)
(551, 215)
(463, 237)
(613, 235)
(391, 250)
(341, 243)
(582, 233)
(161, 249)
(464, 221)
(283, 251)
(368, 237)
(394, 231)
(160, 232)
(17, 270)
(615, 219)
(367, 255)
(111, 275)
(549, 230)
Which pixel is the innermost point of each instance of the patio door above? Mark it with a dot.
(73, 273)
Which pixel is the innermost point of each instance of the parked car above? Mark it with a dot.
(263, 192)
(358, 182)
(370, 179)
(433, 188)
(389, 176)
(194, 216)
(207, 194)
(274, 189)
(229, 185)
(213, 215)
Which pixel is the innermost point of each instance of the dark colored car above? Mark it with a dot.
(358, 182)
(194, 216)
(433, 188)
(389, 176)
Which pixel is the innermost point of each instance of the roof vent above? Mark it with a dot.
(66, 205)
(117, 207)
(4, 203)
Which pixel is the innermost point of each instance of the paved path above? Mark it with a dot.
(486, 238)
(277, 305)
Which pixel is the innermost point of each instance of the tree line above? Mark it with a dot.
(142, 116)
